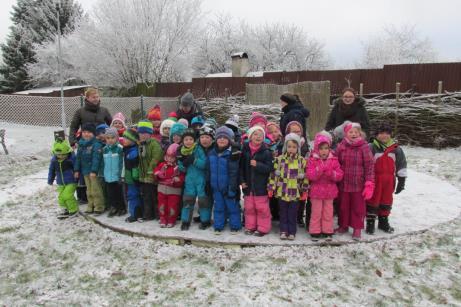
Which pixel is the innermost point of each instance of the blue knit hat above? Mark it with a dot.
(225, 132)
(176, 129)
(197, 120)
(101, 129)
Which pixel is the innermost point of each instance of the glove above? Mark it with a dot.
(189, 160)
(304, 195)
(367, 192)
(270, 193)
(400, 184)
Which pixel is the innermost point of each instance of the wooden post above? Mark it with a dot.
(207, 94)
(439, 92)
(226, 94)
(397, 101)
(361, 90)
(2, 140)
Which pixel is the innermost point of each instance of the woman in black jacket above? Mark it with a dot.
(292, 110)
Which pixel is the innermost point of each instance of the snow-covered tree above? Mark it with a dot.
(397, 45)
(34, 22)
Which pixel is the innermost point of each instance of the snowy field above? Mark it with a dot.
(48, 262)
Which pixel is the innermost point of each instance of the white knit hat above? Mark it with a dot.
(233, 121)
(254, 129)
(292, 137)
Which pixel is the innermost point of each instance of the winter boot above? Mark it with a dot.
(357, 234)
(383, 224)
(204, 225)
(185, 226)
(370, 225)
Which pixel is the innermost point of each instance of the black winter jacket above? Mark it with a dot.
(89, 113)
(294, 112)
(356, 113)
(256, 177)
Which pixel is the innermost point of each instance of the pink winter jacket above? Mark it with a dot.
(357, 163)
(323, 176)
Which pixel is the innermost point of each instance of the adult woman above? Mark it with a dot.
(348, 107)
(292, 110)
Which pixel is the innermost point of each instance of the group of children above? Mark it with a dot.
(163, 168)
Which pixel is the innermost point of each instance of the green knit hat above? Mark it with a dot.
(61, 148)
(131, 134)
(145, 126)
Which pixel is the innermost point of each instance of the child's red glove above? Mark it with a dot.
(270, 193)
(368, 191)
(304, 196)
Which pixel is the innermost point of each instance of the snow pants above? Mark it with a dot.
(257, 213)
(188, 204)
(224, 208)
(168, 208)
(114, 195)
(134, 200)
(321, 216)
(94, 194)
(352, 210)
(66, 198)
(288, 216)
(149, 199)
(381, 202)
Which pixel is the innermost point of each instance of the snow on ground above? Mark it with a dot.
(44, 261)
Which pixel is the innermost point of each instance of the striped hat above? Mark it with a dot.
(145, 126)
(131, 134)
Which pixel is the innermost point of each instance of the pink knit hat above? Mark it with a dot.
(321, 138)
(350, 126)
(172, 150)
(256, 118)
(119, 117)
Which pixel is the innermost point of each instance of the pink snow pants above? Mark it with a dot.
(257, 213)
(352, 210)
(321, 216)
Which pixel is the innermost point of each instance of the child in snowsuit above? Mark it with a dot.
(323, 172)
(356, 161)
(62, 168)
(192, 160)
(224, 180)
(113, 165)
(255, 169)
(165, 128)
(88, 163)
(150, 154)
(390, 162)
(131, 161)
(170, 182)
(289, 184)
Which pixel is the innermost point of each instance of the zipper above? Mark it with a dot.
(60, 171)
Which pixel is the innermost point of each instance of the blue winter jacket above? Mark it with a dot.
(89, 156)
(224, 171)
(63, 170)
(113, 162)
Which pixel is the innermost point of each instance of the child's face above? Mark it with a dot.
(101, 137)
(156, 123)
(222, 142)
(257, 138)
(61, 157)
(292, 147)
(206, 141)
(144, 137)
(166, 131)
(171, 160)
(274, 132)
(117, 124)
(127, 142)
(353, 134)
(93, 98)
(296, 129)
(188, 141)
(110, 140)
(185, 109)
(383, 137)
(87, 135)
(324, 150)
(177, 139)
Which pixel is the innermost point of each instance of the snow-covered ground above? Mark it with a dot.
(48, 262)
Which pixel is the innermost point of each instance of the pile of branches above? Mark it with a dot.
(427, 120)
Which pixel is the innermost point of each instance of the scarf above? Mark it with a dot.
(383, 146)
(348, 110)
(253, 148)
(187, 151)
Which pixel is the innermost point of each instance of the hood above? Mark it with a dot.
(296, 107)
(360, 101)
(320, 139)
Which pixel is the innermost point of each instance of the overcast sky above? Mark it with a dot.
(340, 25)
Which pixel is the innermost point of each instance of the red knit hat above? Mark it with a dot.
(154, 113)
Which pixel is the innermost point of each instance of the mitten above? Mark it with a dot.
(188, 160)
(368, 190)
(400, 184)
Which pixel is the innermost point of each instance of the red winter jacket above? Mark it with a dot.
(357, 163)
(166, 183)
(323, 176)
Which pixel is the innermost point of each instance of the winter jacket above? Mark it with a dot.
(323, 176)
(170, 179)
(113, 162)
(356, 113)
(63, 170)
(196, 110)
(150, 154)
(195, 172)
(288, 180)
(357, 164)
(89, 113)
(399, 167)
(89, 156)
(256, 177)
(224, 171)
(294, 112)
(131, 161)
(165, 143)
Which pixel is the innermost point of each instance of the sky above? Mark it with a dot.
(341, 26)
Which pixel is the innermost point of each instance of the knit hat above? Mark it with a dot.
(189, 132)
(183, 122)
(167, 123)
(118, 117)
(101, 129)
(338, 132)
(207, 130)
(349, 126)
(111, 132)
(61, 148)
(131, 134)
(225, 132)
(293, 122)
(319, 139)
(90, 127)
(187, 100)
(154, 113)
(233, 121)
(292, 137)
(257, 117)
(384, 127)
(173, 116)
(176, 129)
(145, 126)
(254, 129)
(211, 122)
(197, 120)
(272, 124)
(172, 150)
(288, 98)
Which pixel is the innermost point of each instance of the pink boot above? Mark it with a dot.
(357, 234)
(341, 230)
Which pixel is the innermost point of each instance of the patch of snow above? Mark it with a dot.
(47, 90)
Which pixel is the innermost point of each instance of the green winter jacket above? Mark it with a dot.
(150, 154)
